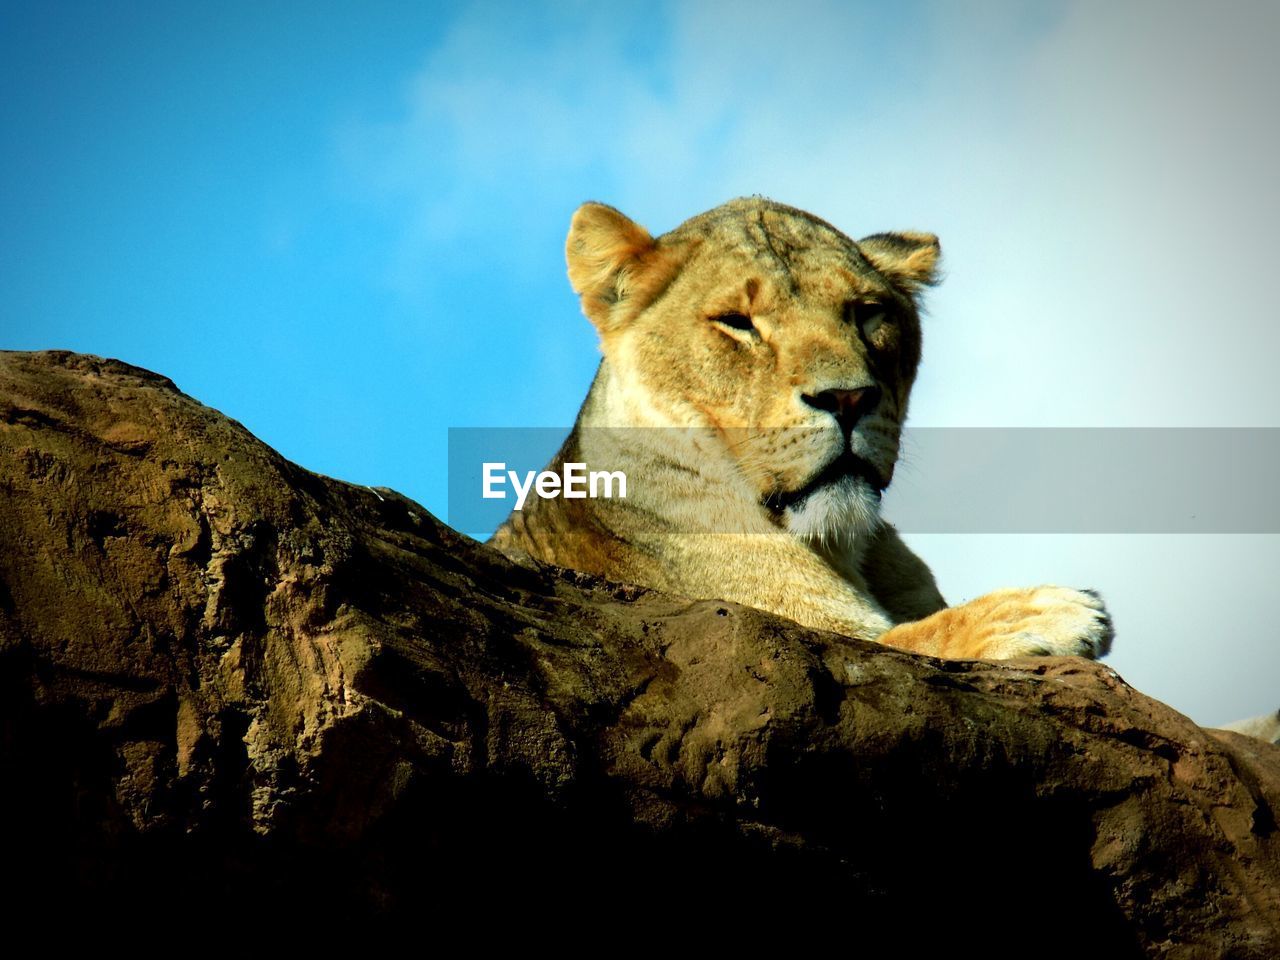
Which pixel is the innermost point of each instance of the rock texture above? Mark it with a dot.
(230, 684)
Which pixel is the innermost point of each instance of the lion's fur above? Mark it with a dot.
(734, 339)
(1265, 727)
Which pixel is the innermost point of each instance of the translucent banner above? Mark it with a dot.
(946, 480)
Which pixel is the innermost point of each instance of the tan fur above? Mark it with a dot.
(741, 341)
(1266, 727)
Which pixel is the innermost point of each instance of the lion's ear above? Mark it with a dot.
(610, 259)
(909, 260)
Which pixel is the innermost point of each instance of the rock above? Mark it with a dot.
(230, 681)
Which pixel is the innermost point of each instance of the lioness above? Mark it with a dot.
(771, 358)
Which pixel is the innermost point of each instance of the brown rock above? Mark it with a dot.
(227, 680)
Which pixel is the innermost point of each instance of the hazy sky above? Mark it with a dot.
(343, 225)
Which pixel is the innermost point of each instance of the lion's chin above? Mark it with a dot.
(836, 511)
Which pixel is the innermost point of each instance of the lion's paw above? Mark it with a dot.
(1047, 621)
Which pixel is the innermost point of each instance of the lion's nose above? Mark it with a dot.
(847, 406)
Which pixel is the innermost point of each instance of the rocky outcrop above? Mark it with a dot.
(230, 683)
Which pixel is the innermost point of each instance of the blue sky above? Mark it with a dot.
(343, 224)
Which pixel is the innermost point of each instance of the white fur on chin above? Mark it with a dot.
(836, 513)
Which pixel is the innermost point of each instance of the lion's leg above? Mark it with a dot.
(1012, 623)
(897, 578)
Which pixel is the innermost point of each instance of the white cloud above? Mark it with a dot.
(1103, 182)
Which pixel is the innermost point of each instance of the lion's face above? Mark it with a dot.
(795, 345)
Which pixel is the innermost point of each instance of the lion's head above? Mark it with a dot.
(795, 344)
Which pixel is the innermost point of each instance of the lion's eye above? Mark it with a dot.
(869, 316)
(735, 321)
